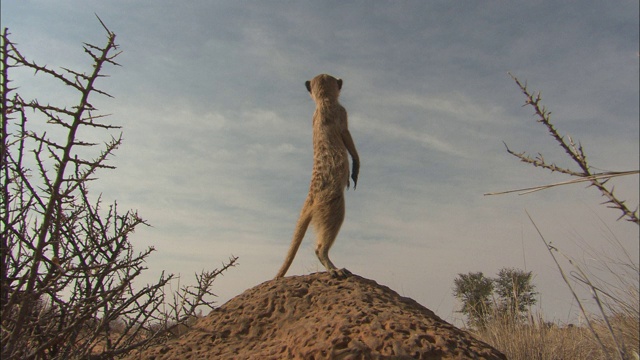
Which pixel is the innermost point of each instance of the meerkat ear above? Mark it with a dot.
(339, 84)
(308, 85)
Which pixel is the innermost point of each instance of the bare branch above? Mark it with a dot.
(576, 153)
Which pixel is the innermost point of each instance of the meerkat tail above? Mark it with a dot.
(298, 235)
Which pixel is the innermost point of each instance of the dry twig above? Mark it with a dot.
(577, 155)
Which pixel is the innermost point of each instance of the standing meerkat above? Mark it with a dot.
(324, 206)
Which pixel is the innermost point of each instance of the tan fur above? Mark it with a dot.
(324, 206)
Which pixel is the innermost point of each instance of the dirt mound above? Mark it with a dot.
(318, 317)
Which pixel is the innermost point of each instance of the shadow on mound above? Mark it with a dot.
(319, 317)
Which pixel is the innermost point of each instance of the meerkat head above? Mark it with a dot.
(324, 86)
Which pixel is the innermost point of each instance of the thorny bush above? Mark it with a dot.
(68, 265)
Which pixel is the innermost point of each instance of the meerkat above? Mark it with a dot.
(324, 206)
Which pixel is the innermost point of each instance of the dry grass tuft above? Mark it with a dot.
(536, 339)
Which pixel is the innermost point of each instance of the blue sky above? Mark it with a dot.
(217, 128)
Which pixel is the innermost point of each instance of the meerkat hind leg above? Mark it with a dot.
(323, 254)
(328, 225)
